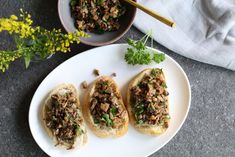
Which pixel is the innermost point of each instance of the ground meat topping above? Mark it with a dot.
(97, 15)
(105, 106)
(63, 118)
(149, 99)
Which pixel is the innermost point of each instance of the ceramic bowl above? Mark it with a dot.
(97, 39)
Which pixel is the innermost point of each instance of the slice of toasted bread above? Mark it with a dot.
(80, 138)
(99, 111)
(138, 112)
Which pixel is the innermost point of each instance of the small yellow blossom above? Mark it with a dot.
(67, 43)
(13, 17)
(34, 40)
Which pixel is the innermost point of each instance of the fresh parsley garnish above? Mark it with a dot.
(114, 111)
(155, 71)
(107, 120)
(138, 53)
(73, 3)
(158, 57)
(164, 85)
(99, 2)
(78, 129)
(140, 122)
(96, 121)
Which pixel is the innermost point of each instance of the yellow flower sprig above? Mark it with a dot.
(34, 41)
(6, 58)
(14, 25)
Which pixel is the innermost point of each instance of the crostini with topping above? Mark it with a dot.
(104, 109)
(62, 117)
(147, 102)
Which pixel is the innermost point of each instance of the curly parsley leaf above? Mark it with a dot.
(158, 57)
(134, 57)
(138, 53)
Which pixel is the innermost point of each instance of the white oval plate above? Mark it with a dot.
(109, 59)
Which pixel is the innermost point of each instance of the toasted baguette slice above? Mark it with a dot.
(139, 124)
(118, 126)
(80, 138)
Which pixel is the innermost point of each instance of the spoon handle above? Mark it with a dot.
(152, 13)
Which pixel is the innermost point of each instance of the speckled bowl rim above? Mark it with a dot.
(97, 43)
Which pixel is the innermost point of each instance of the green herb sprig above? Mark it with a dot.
(106, 119)
(139, 53)
(33, 41)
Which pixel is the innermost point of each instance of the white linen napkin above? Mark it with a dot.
(205, 29)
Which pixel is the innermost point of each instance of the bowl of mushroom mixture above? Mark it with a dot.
(105, 21)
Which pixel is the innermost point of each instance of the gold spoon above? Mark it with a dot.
(152, 13)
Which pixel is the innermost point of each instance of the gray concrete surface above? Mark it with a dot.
(209, 130)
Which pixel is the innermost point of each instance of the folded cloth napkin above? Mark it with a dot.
(205, 29)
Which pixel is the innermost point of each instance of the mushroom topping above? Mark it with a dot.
(97, 15)
(105, 106)
(63, 118)
(148, 99)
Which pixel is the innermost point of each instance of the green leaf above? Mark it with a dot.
(79, 130)
(104, 83)
(107, 120)
(138, 53)
(96, 121)
(156, 71)
(158, 57)
(139, 108)
(105, 92)
(139, 111)
(140, 45)
(54, 118)
(27, 59)
(6, 57)
(114, 111)
(137, 57)
(99, 2)
(140, 121)
(164, 85)
(73, 3)
(131, 42)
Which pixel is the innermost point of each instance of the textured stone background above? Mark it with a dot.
(208, 131)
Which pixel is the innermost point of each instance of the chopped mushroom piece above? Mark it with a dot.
(113, 74)
(84, 85)
(104, 107)
(96, 72)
